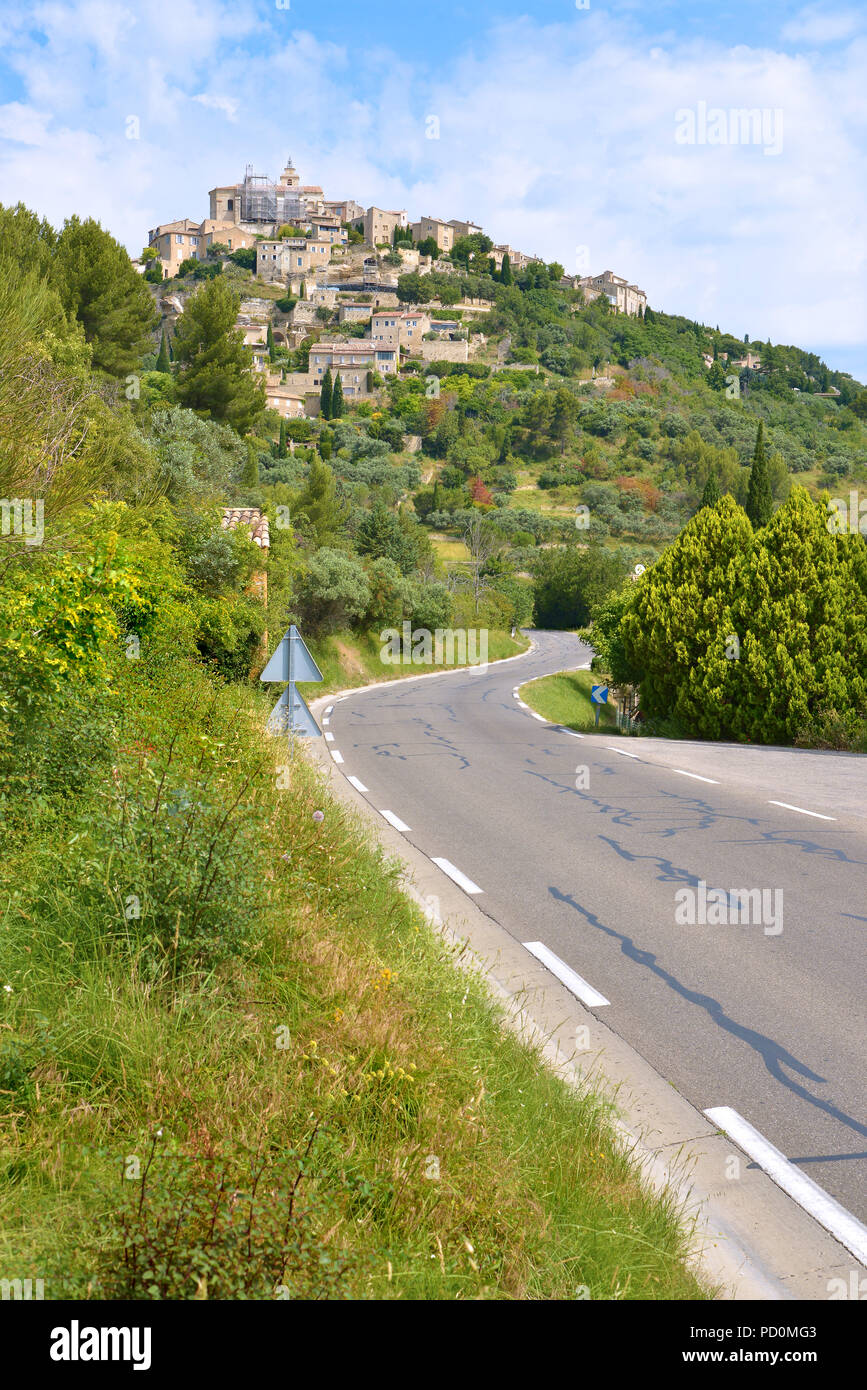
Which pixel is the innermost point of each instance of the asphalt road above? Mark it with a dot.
(771, 1023)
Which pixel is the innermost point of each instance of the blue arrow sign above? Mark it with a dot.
(292, 717)
(291, 661)
(599, 694)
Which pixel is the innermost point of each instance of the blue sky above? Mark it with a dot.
(587, 135)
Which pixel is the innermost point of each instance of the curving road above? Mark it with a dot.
(771, 1023)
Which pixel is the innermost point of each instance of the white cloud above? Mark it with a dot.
(228, 105)
(553, 137)
(819, 24)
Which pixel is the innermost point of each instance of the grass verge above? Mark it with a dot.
(565, 699)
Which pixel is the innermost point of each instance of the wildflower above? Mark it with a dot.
(8, 989)
(319, 817)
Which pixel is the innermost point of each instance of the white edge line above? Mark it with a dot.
(622, 751)
(566, 975)
(455, 874)
(329, 709)
(541, 718)
(359, 786)
(788, 807)
(337, 755)
(808, 1194)
(680, 772)
(571, 733)
(395, 821)
(329, 738)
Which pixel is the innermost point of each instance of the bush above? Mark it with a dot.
(334, 593)
(220, 1227)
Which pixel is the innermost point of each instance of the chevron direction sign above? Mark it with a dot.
(292, 662)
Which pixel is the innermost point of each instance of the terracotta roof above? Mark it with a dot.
(251, 517)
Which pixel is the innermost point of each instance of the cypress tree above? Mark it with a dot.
(325, 396)
(163, 363)
(337, 398)
(760, 504)
(270, 342)
(506, 271)
(711, 494)
(282, 449)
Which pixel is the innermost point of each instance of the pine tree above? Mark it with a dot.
(711, 494)
(97, 285)
(215, 377)
(326, 396)
(337, 398)
(686, 609)
(801, 613)
(163, 363)
(250, 472)
(760, 503)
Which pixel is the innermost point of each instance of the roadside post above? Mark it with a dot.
(292, 662)
(599, 696)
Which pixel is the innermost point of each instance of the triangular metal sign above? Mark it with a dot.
(303, 667)
(298, 720)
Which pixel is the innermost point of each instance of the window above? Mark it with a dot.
(230, 205)
(179, 239)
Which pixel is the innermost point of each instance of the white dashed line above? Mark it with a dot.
(329, 738)
(787, 807)
(329, 709)
(455, 874)
(338, 757)
(395, 821)
(325, 722)
(566, 975)
(541, 718)
(680, 772)
(359, 786)
(571, 733)
(808, 1194)
(622, 751)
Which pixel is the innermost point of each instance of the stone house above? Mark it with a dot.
(291, 257)
(443, 233)
(404, 329)
(625, 298)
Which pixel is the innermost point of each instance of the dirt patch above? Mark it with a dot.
(349, 660)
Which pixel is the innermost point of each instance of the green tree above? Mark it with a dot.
(381, 536)
(326, 395)
(506, 270)
(684, 628)
(334, 593)
(163, 363)
(337, 398)
(805, 622)
(215, 377)
(570, 581)
(269, 341)
(760, 504)
(326, 513)
(282, 447)
(711, 494)
(98, 286)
